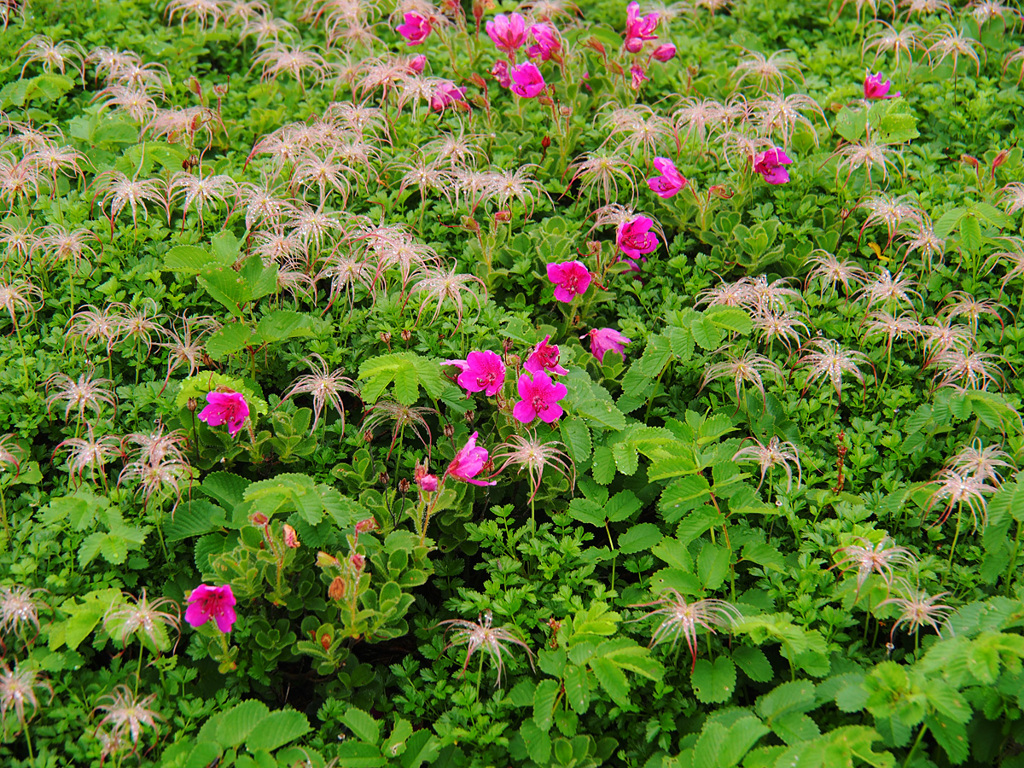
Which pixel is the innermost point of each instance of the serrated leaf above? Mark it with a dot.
(602, 412)
(851, 124)
(227, 287)
(730, 319)
(277, 729)
(577, 688)
(408, 371)
(544, 698)
(196, 517)
(622, 506)
(537, 741)
(587, 511)
(361, 724)
(226, 488)
(189, 260)
(795, 728)
(683, 495)
(237, 723)
(282, 324)
(639, 538)
(797, 696)
(742, 736)
(228, 340)
(709, 745)
(714, 682)
(753, 662)
(603, 465)
(576, 437)
(613, 680)
(707, 335)
(713, 566)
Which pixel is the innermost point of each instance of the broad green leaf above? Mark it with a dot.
(229, 340)
(82, 617)
(361, 724)
(622, 506)
(795, 696)
(196, 517)
(742, 736)
(227, 287)
(576, 437)
(277, 729)
(602, 412)
(713, 566)
(260, 279)
(577, 688)
(714, 682)
(603, 465)
(188, 260)
(639, 538)
(683, 495)
(753, 662)
(225, 488)
(235, 725)
(951, 736)
(544, 703)
(730, 319)
(357, 754)
(613, 680)
(282, 324)
(407, 370)
(851, 124)
(537, 741)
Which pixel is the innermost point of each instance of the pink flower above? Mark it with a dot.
(571, 279)
(670, 182)
(446, 94)
(205, 603)
(664, 53)
(607, 340)
(428, 483)
(468, 463)
(507, 32)
(481, 372)
(225, 408)
(547, 42)
(500, 72)
(634, 237)
(540, 397)
(417, 63)
(639, 77)
(874, 88)
(639, 29)
(769, 164)
(527, 81)
(544, 358)
(415, 29)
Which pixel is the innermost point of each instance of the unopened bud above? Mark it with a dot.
(325, 560)
(195, 86)
(1000, 159)
(512, 361)
(291, 538)
(368, 436)
(428, 483)
(369, 524)
(545, 142)
(449, 430)
(337, 589)
(358, 561)
(503, 216)
(721, 192)
(258, 519)
(386, 338)
(406, 335)
(383, 478)
(325, 642)
(971, 161)
(404, 485)
(192, 404)
(469, 416)
(596, 44)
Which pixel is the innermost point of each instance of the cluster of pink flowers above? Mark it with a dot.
(509, 33)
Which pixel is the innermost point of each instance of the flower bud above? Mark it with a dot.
(369, 524)
(406, 335)
(1000, 159)
(449, 430)
(325, 642)
(258, 519)
(383, 478)
(503, 217)
(358, 561)
(337, 589)
(291, 538)
(971, 161)
(325, 560)
(428, 483)
(404, 485)
(192, 404)
(469, 416)
(368, 436)
(545, 142)
(385, 337)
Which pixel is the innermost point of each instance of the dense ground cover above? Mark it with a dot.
(472, 385)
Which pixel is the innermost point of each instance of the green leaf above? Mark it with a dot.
(188, 260)
(577, 688)
(714, 683)
(739, 740)
(421, 747)
(639, 538)
(753, 662)
(622, 506)
(683, 495)
(361, 724)
(602, 412)
(407, 370)
(357, 754)
(227, 287)
(713, 566)
(730, 319)
(260, 279)
(851, 124)
(225, 488)
(576, 437)
(196, 517)
(277, 729)
(282, 324)
(603, 466)
(613, 680)
(82, 618)
(237, 723)
(796, 696)
(544, 703)
(537, 741)
(228, 340)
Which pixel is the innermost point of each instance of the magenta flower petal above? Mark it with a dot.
(634, 237)
(539, 398)
(480, 372)
(571, 279)
(604, 340)
(527, 81)
(225, 408)
(468, 463)
(544, 358)
(217, 603)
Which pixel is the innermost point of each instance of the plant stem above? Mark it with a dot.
(611, 546)
(913, 748)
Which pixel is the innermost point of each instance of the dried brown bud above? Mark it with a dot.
(469, 416)
(449, 430)
(337, 589)
(383, 478)
(192, 404)
(404, 485)
(386, 338)
(368, 435)
(406, 335)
